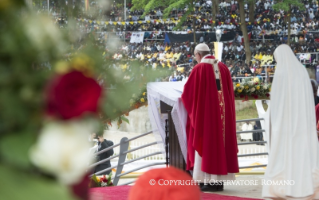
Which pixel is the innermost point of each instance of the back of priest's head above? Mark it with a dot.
(202, 49)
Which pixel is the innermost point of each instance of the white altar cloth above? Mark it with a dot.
(170, 93)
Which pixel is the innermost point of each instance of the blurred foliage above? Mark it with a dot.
(168, 5)
(16, 185)
(33, 49)
(286, 5)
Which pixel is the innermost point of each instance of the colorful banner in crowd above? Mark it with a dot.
(154, 21)
(137, 37)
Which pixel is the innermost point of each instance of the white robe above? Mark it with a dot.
(246, 136)
(293, 142)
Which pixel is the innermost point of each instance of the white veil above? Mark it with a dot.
(294, 152)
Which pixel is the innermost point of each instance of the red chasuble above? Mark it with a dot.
(211, 123)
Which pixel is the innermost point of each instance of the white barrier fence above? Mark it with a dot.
(260, 149)
(155, 148)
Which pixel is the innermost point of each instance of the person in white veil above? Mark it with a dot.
(293, 143)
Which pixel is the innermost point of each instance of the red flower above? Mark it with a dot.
(256, 83)
(104, 179)
(267, 95)
(256, 96)
(241, 96)
(81, 189)
(72, 95)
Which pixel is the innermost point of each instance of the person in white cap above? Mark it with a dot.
(208, 97)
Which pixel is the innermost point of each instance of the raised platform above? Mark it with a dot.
(122, 193)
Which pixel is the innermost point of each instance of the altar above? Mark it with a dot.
(164, 99)
(165, 105)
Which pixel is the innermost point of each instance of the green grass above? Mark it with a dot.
(249, 112)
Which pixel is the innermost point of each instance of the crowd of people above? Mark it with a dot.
(268, 30)
(179, 58)
(265, 18)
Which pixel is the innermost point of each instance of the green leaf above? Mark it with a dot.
(109, 178)
(14, 148)
(16, 185)
(285, 5)
(125, 119)
(95, 179)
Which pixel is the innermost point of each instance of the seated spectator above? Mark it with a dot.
(161, 55)
(246, 136)
(177, 55)
(267, 59)
(167, 47)
(258, 70)
(172, 78)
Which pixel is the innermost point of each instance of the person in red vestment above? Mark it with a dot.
(208, 97)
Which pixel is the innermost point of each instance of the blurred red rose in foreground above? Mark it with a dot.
(71, 95)
(81, 189)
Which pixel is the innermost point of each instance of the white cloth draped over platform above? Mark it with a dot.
(170, 93)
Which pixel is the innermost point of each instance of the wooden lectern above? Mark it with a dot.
(174, 156)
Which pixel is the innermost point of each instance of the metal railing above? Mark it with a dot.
(124, 150)
(253, 142)
(124, 144)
